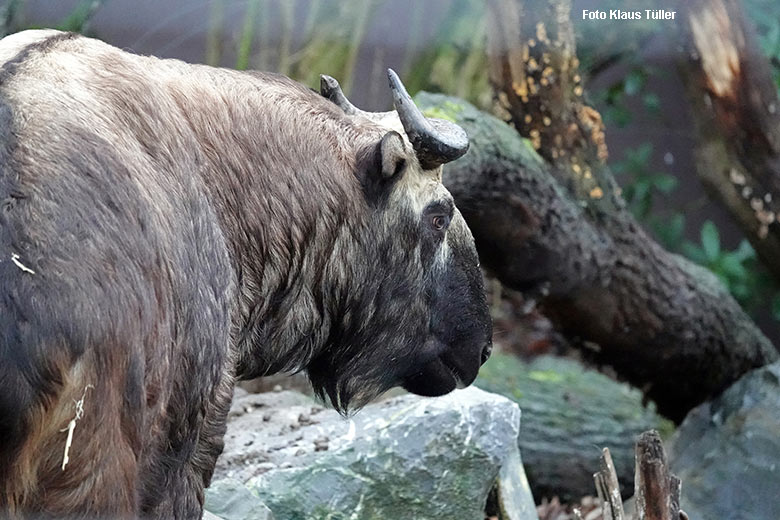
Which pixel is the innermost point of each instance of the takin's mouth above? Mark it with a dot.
(441, 371)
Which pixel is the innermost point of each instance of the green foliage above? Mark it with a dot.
(332, 37)
(456, 61)
(247, 34)
(739, 269)
(8, 16)
(627, 99)
(448, 111)
(78, 20)
(669, 229)
(734, 268)
(765, 14)
(614, 100)
(331, 46)
(643, 182)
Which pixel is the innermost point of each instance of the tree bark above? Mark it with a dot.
(535, 73)
(549, 220)
(657, 492)
(608, 488)
(666, 325)
(736, 114)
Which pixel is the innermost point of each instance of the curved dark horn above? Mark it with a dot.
(330, 88)
(435, 141)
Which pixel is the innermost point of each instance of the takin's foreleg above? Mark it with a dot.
(175, 478)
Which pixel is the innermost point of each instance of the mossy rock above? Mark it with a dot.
(569, 414)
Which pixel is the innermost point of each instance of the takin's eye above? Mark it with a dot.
(440, 222)
(438, 216)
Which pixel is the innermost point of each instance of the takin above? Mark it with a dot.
(167, 229)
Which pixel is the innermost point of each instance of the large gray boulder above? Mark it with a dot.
(406, 457)
(727, 451)
(229, 499)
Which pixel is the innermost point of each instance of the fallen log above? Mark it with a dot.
(663, 323)
(567, 412)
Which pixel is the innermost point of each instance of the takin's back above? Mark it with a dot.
(117, 277)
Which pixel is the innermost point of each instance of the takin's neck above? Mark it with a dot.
(279, 175)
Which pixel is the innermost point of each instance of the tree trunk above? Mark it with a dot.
(553, 224)
(665, 324)
(736, 114)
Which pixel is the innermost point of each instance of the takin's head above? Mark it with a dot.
(419, 318)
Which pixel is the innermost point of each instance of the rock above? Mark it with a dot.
(265, 432)
(569, 414)
(515, 501)
(727, 451)
(406, 457)
(297, 382)
(229, 499)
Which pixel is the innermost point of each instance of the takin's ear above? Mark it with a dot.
(392, 154)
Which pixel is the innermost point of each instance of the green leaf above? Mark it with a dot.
(247, 35)
(693, 252)
(80, 17)
(652, 102)
(619, 167)
(643, 206)
(710, 240)
(740, 291)
(670, 231)
(677, 225)
(619, 115)
(635, 80)
(744, 251)
(664, 182)
(643, 152)
(732, 267)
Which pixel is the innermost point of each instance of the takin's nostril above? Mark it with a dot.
(486, 352)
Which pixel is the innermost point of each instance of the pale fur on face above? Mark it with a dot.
(418, 187)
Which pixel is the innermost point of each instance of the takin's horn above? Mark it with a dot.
(435, 141)
(330, 89)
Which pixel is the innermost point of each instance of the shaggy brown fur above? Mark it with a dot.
(185, 226)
